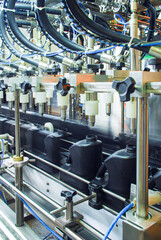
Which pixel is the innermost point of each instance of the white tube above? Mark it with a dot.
(34, 94)
(49, 94)
(91, 108)
(107, 98)
(40, 97)
(82, 98)
(62, 100)
(10, 96)
(131, 109)
(1, 94)
(24, 98)
(49, 127)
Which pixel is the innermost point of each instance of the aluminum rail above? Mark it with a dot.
(64, 184)
(73, 175)
(52, 202)
(67, 231)
(84, 224)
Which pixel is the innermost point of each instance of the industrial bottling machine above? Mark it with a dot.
(80, 137)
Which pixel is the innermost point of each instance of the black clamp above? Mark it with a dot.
(95, 202)
(68, 195)
(53, 71)
(75, 69)
(95, 67)
(124, 88)
(3, 88)
(11, 74)
(29, 73)
(62, 86)
(118, 65)
(25, 87)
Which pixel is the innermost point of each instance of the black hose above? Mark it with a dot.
(21, 23)
(100, 30)
(25, 14)
(56, 36)
(24, 6)
(93, 26)
(13, 65)
(152, 23)
(10, 46)
(101, 171)
(127, 10)
(21, 37)
(45, 23)
(153, 17)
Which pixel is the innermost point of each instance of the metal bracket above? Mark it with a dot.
(62, 222)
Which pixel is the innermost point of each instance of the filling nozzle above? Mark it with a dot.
(108, 100)
(91, 106)
(10, 99)
(24, 100)
(40, 99)
(63, 102)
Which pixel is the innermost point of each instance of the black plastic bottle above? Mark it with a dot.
(116, 174)
(85, 159)
(121, 169)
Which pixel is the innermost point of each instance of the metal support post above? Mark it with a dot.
(134, 54)
(134, 34)
(142, 158)
(69, 211)
(19, 208)
(122, 117)
(133, 125)
(17, 122)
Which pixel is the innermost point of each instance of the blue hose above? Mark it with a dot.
(121, 22)
(128, 207)
(39, 219)
(35, 215)
(3, 197)
(82, 5)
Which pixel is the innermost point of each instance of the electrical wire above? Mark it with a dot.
(124, 210)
